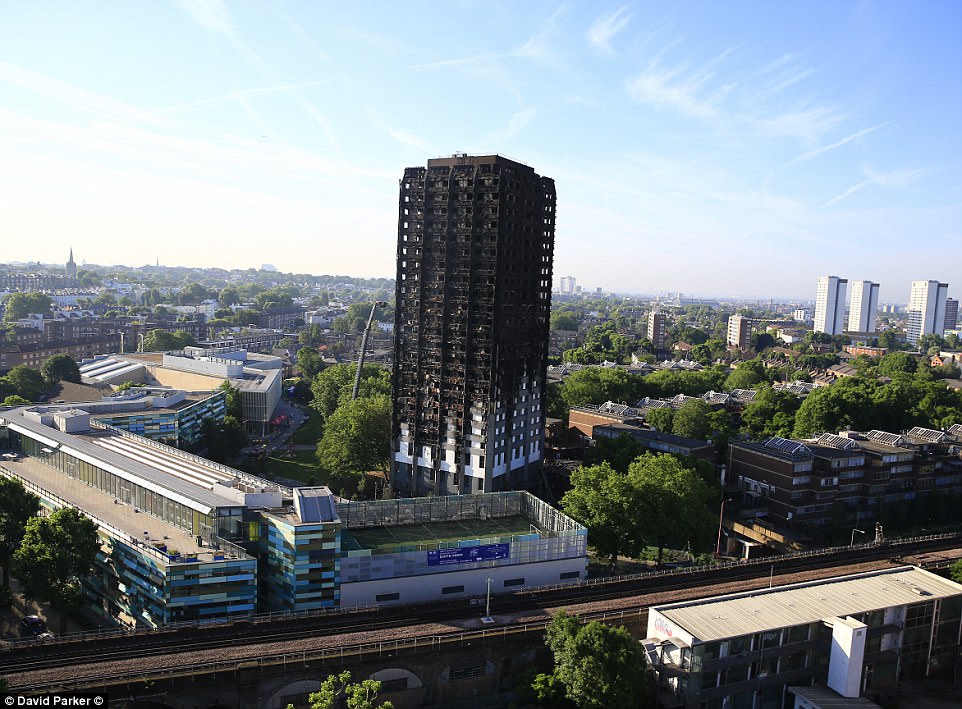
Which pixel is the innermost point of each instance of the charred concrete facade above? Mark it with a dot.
(475, 248)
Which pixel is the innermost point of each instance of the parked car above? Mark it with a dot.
(34, 626)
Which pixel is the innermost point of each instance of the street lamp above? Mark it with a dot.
(487, 607)
(852, 543)
(721, 513)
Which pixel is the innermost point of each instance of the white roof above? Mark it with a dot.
(800, 604)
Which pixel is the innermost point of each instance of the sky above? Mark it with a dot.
(715, 148)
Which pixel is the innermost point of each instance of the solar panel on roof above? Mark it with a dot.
(927, 434)
(955, 429)
(839, 442)
(784, 445)
(886, 438)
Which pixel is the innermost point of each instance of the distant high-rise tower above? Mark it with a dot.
(658, 330)
(830, 305)
(568, 284)
(864, 306)
(951, 313)
(71, 268)
(926, 311)
(474, 258)
(739, 331)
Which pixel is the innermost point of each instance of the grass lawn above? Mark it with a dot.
(310, 432)
(301, 466)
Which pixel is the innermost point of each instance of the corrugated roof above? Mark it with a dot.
(769, 609)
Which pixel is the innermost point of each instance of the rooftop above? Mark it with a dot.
(799, 604)
(190, 480)
(126, 521)
(431, 535)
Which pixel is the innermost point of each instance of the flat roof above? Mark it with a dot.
(189, 480)
(430, 534)
(825, 698)
(142, 528)
(757, 611)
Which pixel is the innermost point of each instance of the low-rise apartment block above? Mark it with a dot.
(853, 635)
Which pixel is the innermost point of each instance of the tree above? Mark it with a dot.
(603, 500)
(771, 413)
(691, 420)
(846, 404)
(61, 367)
(889, 340)
(955, 571)
(599, 666)
(55, 554)
(163, 341)
(674, 503)
(106, 299)
(26, 382)
(222, 439)
(14, 400)
(357, 695)
(20, 305)
(17, 506)
(897, 363)
(596, 385)
(617, 452)
(661, 419)
(564, 321)
(761, 341)
(335, 384)
(356, 439)
(234, 402)
(747, 375)
(228, 297)
(309, 362)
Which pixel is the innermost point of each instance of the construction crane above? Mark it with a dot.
(360, 359)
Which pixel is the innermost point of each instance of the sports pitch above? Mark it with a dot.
(433, 533)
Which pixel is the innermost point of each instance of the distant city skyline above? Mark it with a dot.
(722, 150)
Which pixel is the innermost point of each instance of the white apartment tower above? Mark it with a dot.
(926, 311)
(568, 284)
(658, 330)
(739, 331)
(864, 306)
(830, 305)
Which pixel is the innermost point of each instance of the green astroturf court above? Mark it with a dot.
(433, 533)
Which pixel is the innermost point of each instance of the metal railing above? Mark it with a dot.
(419, 643)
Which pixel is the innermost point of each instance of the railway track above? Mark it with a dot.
(105, 652)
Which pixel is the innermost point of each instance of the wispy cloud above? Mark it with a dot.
(210, 14)
(682, 87)
(243, 93)
(900, 178)
(413, 141)
(811, 154)
(516, 124)
(73, 96)
(606, 27)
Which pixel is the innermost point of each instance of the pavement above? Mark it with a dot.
(11, 614)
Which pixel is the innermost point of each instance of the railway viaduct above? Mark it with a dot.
(427, 662)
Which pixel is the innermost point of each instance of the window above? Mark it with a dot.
(513, 582)
(570, 575)
(385, 597)
(452, 589)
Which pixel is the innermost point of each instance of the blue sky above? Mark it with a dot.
(729, 148)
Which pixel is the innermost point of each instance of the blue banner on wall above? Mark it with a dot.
(467, 555)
